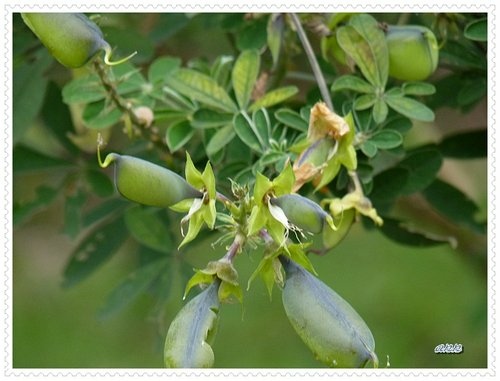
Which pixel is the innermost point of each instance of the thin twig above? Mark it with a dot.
(146, 132)
(320, 79)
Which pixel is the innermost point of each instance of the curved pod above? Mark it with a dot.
(147, 183)
(327, 324)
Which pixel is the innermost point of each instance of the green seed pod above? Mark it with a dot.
(302, 212)
(147, 183)
(71, 38)
(327, 324)
(188, 340)
(413, 52)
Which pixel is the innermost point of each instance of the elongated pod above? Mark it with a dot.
(413, 52)
(327, 324)
(189, 336)
(71, 38)
(147, 183)
(302, 212)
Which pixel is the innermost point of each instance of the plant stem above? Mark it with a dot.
(239, 241)
(320, 79)
(148, 133)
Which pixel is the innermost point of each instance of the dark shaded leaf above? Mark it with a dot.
(73, 213)
(422, 166)
(465, 145)
(472, 91)
(44, 197)
(132, 287)
(388, 185)
(162, 67)
(398, 232)
(29, 85)
(95, 249)
(148, 229)
(275, 28)
(26, 159)
(100, 183)
(477, 30)
(455, 205)
(105, 209)
(253, 35)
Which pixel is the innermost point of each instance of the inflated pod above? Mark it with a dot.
(327, 324)
(147, 183)
(302, 212)
(413, 52)
(71, 38)
(190, 334)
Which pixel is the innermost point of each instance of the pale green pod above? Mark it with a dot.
(190, 334)
(413, 52)
(147, 183)
(302, 212)
(327, 324)
(70, 37)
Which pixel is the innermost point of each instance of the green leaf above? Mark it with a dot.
(369, 149)
(253, 35)
(206, 118)
(101, 114)
(262, 124)
(247, 132)
(410, 108)
(275, 28)
(244, 76)
(477, 30)
(221, 138)
(73, 213)
(388, 185)
(398, 123)
(380, 111)
(162, 67)
(96, 248)
(274, 97)
(29, 85)
(291, 119)
(387, 139)
(57, 118)
(472, 91)
(170, 115)
(453, 204)
(465, 145)
(201, 88)
(364, 41)
(418, 88)
(351, 82)
(26, 159)
(148, 229)
(422, 166)
(364, 102)
(221, 71)
(43, 198)
(100, 183)
(107, 209)
(84, 89)
(132, 287)
(178, 135)
(399, 232)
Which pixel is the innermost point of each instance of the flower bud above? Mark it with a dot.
(147, 183)
(327, 324)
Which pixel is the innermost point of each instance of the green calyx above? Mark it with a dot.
(71, 38)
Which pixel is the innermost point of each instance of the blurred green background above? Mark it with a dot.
(412, 299)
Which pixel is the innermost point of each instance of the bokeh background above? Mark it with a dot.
(412, 298)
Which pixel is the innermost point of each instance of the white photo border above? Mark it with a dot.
(8, 8)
